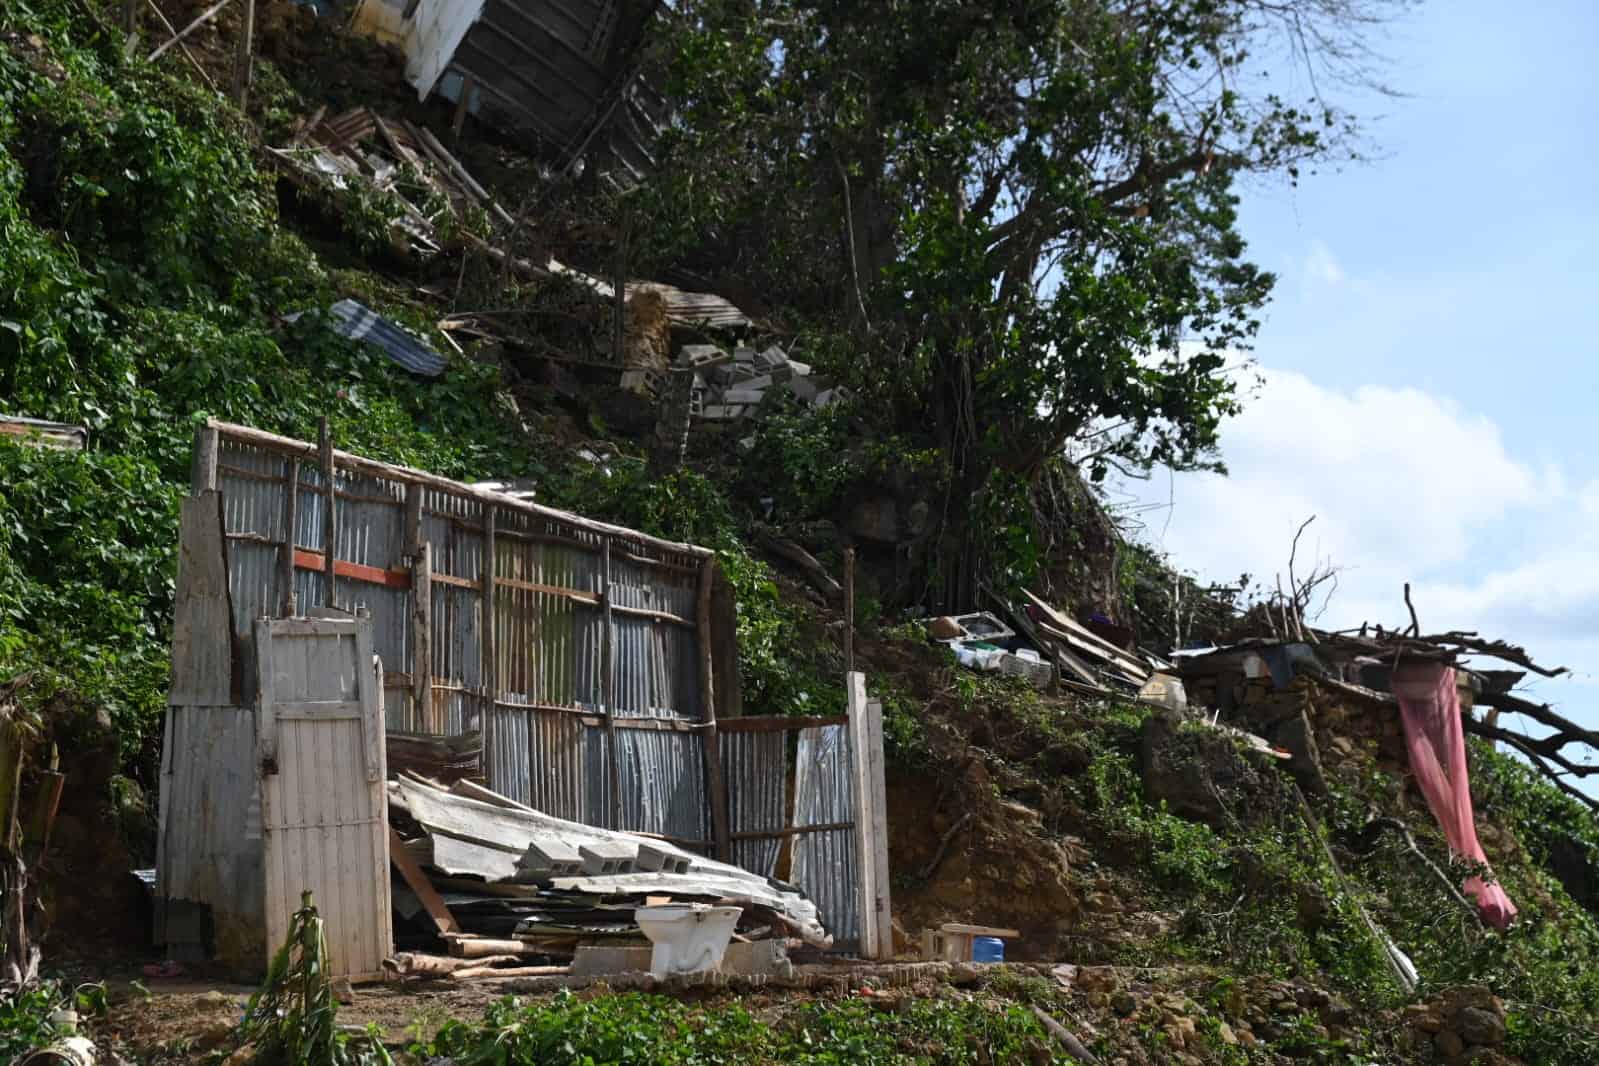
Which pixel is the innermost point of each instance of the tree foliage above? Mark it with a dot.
(1016, 222)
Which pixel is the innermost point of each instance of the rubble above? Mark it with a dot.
(510, 876)
(735, 385)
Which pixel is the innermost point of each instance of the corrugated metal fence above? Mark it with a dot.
(596, 630)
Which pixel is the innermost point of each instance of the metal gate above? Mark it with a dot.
(323, 810)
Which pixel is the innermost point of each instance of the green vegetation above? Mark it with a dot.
(633, 1028)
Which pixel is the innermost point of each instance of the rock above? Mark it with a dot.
(1246, 1038)
(1190, 770)
(1313, 906)
(1479, 1026)
(1103, 902)
(1424, 1016)
(1295, 735)
(1123, 1003)
(944, 628)
(1225, 1034)
(1449, 1044)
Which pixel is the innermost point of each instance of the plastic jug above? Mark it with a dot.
(988, 949)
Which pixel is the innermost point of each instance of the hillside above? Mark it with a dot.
(159, 266)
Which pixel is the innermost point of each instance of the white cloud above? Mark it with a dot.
(1321, 266)
(1406, 486)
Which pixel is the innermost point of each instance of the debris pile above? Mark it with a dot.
(733, 385)
(505, 885)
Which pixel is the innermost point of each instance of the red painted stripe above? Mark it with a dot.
(394, 579)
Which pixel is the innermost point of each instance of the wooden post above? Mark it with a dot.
(130, 26)
(608, 687)
(420, 556)
(330, 536)
(715, 784)
(244, 56)
(871, 823)
(204, 475)
(462, 105)
(291, 522)
(849, 610)
(422, 639)
(491, 661)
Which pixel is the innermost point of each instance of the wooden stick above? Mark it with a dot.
(177, 37)
(714, 780)
(244, 57)
(849, 609)
(510, 971)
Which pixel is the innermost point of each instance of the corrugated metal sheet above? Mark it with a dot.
(359, 322)
(210, 833)
(756, 768)
(825, 863)
(556, 73)
(60, 435)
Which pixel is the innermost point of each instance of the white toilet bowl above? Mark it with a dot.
(687, 937)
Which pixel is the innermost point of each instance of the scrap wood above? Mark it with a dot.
(416, 964)
(766, 913)
(1090, 641)
(183, 47)
(417, 881)
(468, 946)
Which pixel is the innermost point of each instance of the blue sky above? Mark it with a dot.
(1430, 388)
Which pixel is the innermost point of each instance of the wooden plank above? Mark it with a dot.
(715, 783)
(369, 676)
(313, 627)
(418, 882)
(794, 831)
(849, 610)
(1095, 643)
(608, 689)
(462, 105)
(330, 540)
(878, 795)
(422, 636)
(956, 928)
(203, 478)
(202, 630)
(312, 710)
(372, 575)
(865, 846)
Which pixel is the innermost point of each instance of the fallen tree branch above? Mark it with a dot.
(943, 845)
(814, 571)
(177, 38)
(1068, 1040)
(1410, 843)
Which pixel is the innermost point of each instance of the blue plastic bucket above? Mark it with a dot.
(988, 949)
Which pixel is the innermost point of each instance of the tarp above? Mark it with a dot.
(1429, 704)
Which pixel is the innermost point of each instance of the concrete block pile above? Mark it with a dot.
(730, 386)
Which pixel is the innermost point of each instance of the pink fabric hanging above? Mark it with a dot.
(1429, 704)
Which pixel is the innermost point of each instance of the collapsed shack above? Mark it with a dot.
(1410, 698)
(581, 671)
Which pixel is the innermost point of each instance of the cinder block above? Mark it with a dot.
(743, 395)
(547, 859)
(772, 358)
(743, 355)
(799, 369)
(597, 961)
(701, 356)
(758, 957)
(603, 858)
(652, 858)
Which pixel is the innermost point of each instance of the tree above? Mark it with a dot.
(1015, 221)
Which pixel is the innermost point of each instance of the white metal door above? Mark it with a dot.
(323, 809)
